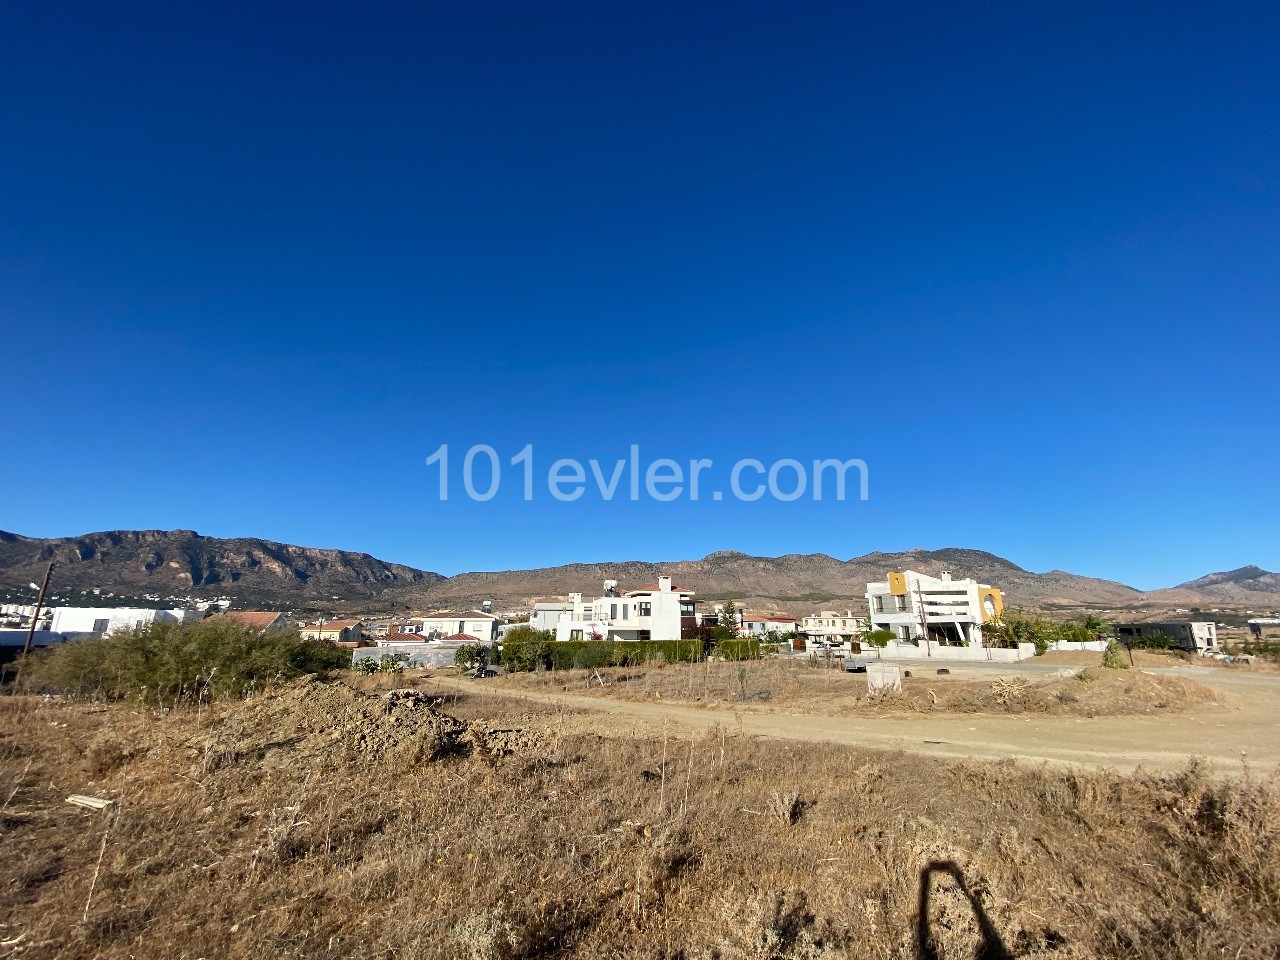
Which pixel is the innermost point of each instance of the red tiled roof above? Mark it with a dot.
(463, 638)
(335, 625)
(249, 619)
(654, 588)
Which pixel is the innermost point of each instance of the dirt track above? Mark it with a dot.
(1245, 727)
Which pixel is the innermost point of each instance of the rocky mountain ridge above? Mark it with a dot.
(263, 572)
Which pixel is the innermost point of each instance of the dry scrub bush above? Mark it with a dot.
(171, 664)
(521, 841)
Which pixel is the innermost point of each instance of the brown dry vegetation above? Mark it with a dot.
(321, 821)
(797, 686)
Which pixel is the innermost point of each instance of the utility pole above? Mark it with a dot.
(26, 647)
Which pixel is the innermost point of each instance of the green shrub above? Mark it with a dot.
(592, 654)
(877, 638)
(172, 663)
(525, 648)
(1115, 657)
(1153, 641)
(471, 656)
(389, 663)
(738, 649)
(365, 666)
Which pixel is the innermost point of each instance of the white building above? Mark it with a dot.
(105, 620)
(547, 614)
(832, 626)
(1194, 636)
(759, 625)
(915, 606)
(472, 623)
(655, 612)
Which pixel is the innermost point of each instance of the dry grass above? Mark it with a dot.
(795, 686)
(261, 829)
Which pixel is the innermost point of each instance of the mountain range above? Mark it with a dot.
(138, 563)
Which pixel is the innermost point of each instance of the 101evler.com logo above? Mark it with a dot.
(662, 479)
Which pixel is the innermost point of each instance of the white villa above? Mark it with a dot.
(104, 620)
(756, 625)
(915, 606)
(655, 612)
(833, 626)
(481, 626)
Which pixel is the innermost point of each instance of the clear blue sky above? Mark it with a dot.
(256, 264)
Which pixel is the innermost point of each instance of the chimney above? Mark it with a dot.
(946, 576)
(664, 584)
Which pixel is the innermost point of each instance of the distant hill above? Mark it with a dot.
(1247, 587)
(183, 563)
(133, 563)
(795, 582)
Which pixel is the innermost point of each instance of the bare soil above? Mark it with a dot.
(326, 821)
(1135, 719)
(799, 686)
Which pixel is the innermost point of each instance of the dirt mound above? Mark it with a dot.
(309, 718)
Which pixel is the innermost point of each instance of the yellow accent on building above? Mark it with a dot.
(991, 602)
(898, 584)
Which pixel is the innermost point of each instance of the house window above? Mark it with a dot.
(902, 603)
(575, 634)
(879, 603)
(100, 626)
(613, 611)
(626, 610)
(686, 609)
(462, 626)
(646, 609)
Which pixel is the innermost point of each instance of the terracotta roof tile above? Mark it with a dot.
(249, 619)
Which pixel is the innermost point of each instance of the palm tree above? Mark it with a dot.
(1095, 625)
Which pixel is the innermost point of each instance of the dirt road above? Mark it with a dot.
(1243, 728)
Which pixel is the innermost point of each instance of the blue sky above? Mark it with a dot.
(256, 264)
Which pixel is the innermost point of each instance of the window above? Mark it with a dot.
(575, 634)
(902, 603)
(646, 609)
(462, 626)
(626, 611)
(686, 609)
(879, 603)
(613, 611)
(100, 626)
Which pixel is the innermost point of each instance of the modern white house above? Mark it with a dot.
(758, 625)
(656, 612)
(833, 626)
(546, 614)
(105, 620)
(1194, 636)
(436, 626)
(916, 607)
